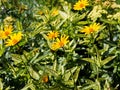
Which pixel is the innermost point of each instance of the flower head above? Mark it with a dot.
(14, 39)
(7, 31)
(60, 42)
(81, 4)
(90, 29)
(52, 34)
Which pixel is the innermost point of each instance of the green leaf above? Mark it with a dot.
(106, 85)
(19, 25)
(69, 73)
(8, 88)
(48, 42)
(29, 86)
(89, 87)
(72, 45)
(33, 73)
(83, 22)
(78, 17)
(69, 82)
(34, 58)
(1, 85)
(61, 23)
(88, 60)
(63, 14)
(39, 58)
(108, 59)
(76, 74)
(108, 21)
(92, 85)
(1, 50)
(50, 71)
(16, 58)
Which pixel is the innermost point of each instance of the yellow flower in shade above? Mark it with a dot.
(14, 39)
(40, 13)
(54, 12)
(7, 31)
(60, 42)
(52, 34)
(92, 28)
(81, 4)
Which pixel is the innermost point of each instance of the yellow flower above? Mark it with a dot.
(14, 39)
(52, 34)
(54, 12)
(7, 31)
(60, 42)
(90, 29)
(81, 4)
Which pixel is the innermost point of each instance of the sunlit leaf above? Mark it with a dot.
(29, 86)
(63, 15)
(16, 58)
(2, 51)
(69, 73)
(76, 74)
(88, 60)
(33, 73)
(108, 59)
(1, 85)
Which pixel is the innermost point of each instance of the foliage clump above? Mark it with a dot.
(59, 44)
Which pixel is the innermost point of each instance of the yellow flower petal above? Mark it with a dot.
(54, 12)
(52, 34)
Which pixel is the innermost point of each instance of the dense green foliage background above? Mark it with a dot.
(86, 63)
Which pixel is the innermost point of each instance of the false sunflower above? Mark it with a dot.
(92, 28)
(60, 42)
(81, 4)
(6, 32)
(14, 39)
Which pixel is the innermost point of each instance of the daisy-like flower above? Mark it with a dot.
(52, 34)
(14, 39)
(81, 4)
(60, 42)
(7, 31)
(92, 28)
